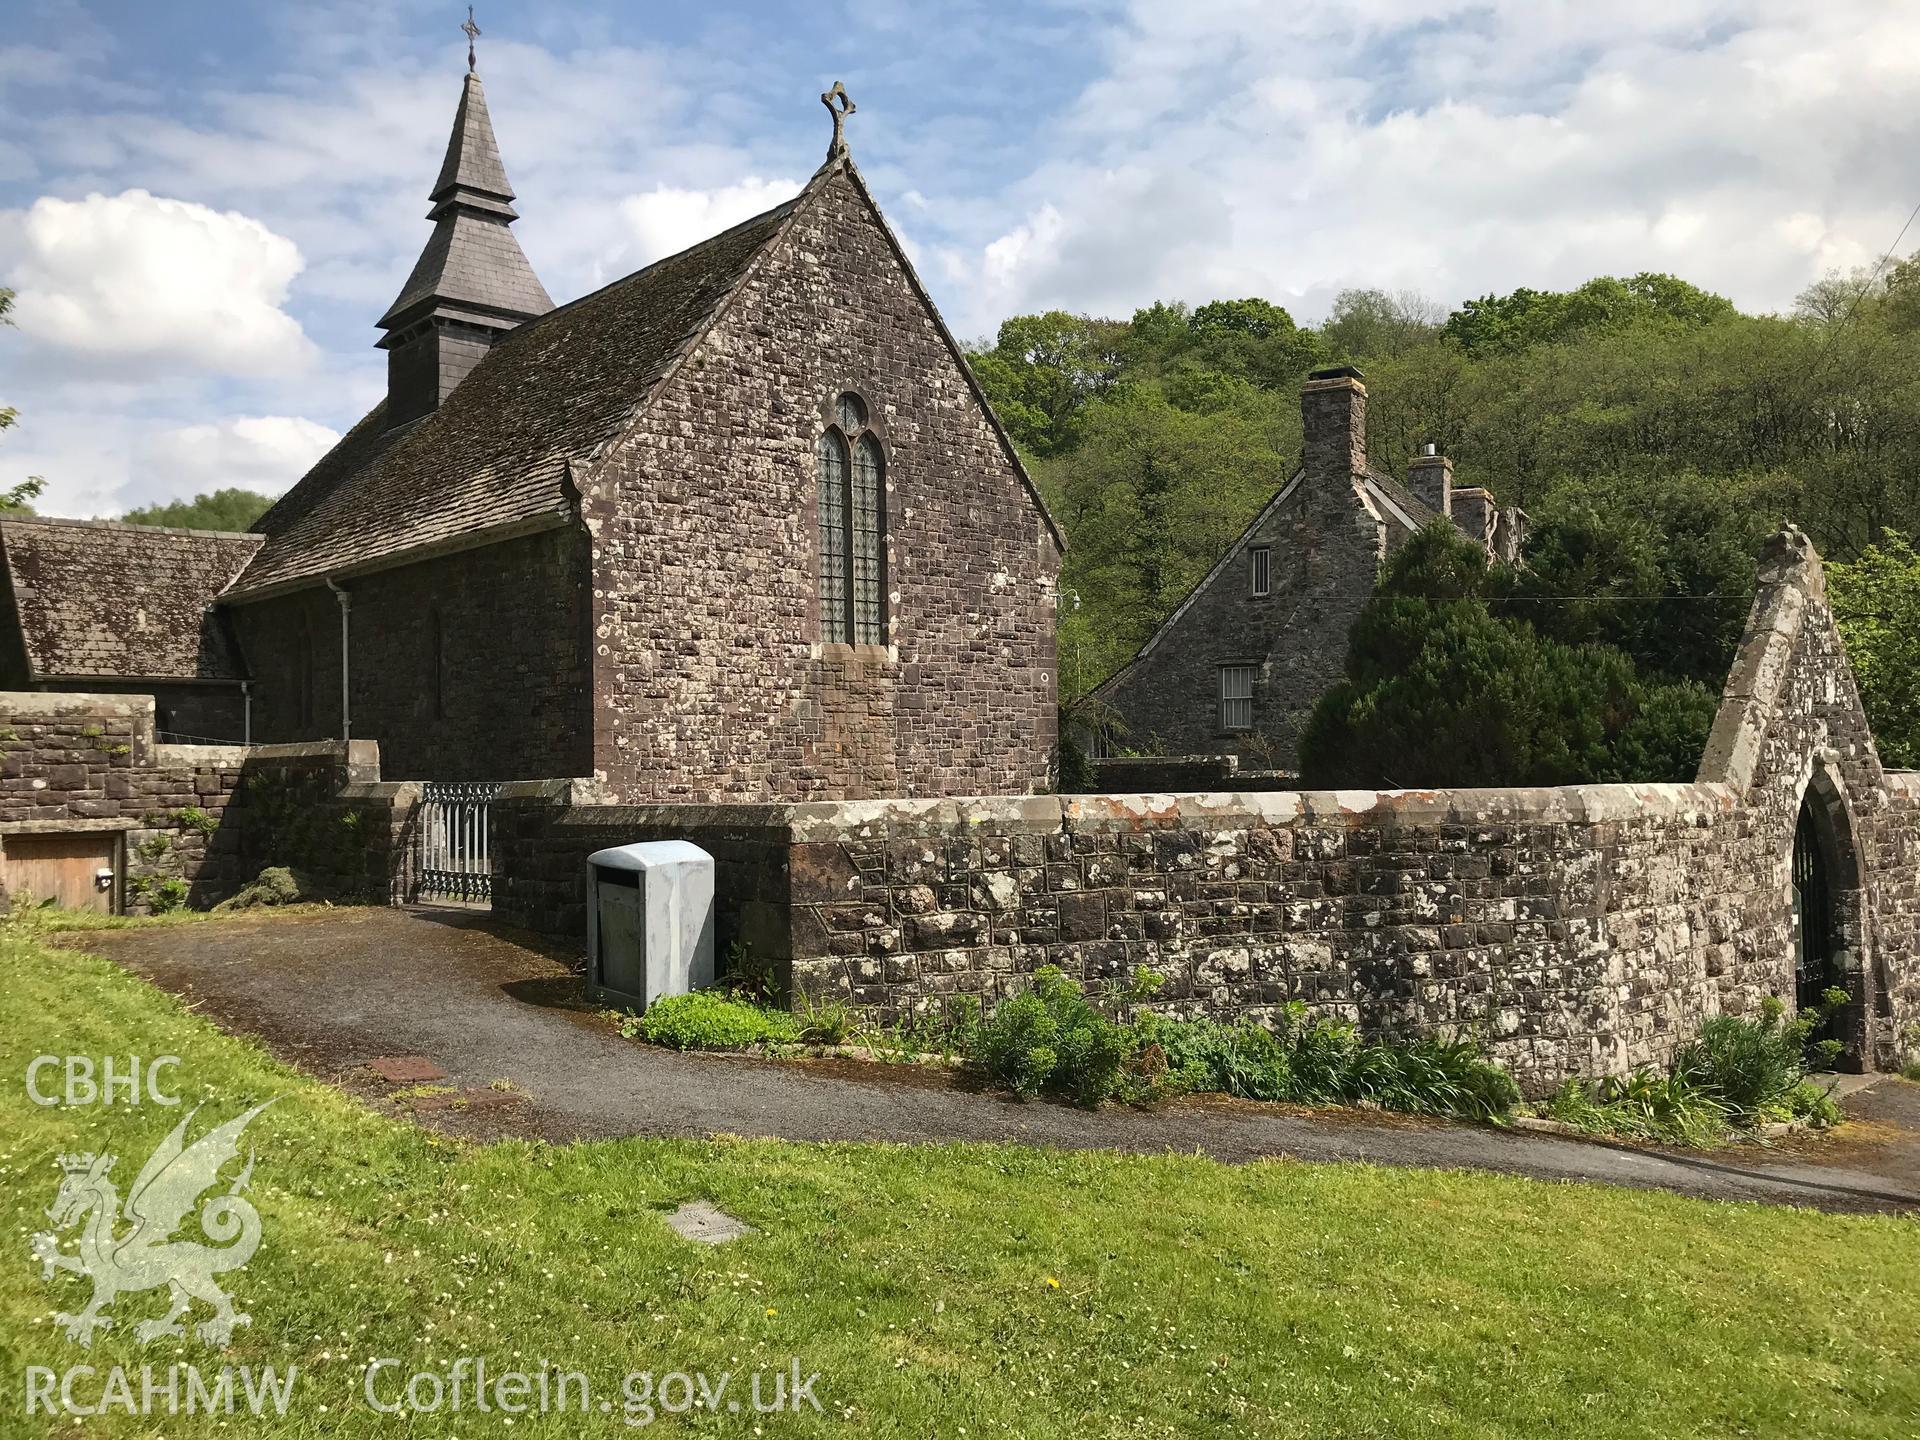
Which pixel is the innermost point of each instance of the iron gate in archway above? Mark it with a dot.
(454, 863)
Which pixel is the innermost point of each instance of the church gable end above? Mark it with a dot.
(752, 643)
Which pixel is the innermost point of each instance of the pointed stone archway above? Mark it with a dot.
(1827, 891)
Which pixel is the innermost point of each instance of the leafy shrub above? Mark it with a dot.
(1754, 1067)
(1052, 1040)
(1737, 1073)
(710, 1020)
(1245, 1060)
(275, 885)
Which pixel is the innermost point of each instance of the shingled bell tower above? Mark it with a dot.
(471, 284)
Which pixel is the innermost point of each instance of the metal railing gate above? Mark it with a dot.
(454, 864)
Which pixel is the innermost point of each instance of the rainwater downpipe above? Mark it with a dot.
(246, 712)
(346, 610)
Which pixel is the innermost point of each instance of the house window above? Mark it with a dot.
(1262, 569)
(1236, 697)
(852, 509)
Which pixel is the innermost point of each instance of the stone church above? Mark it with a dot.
(1236, 668)
(740, 526)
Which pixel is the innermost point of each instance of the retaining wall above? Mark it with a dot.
(212, 816)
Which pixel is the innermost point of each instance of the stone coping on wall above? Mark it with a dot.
(1218, 810)
(68, 827)
(194, 757)
(30, 704)
(1904, 782)
(1233, 810)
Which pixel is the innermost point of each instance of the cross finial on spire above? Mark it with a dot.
(838, 146)
(472, 32)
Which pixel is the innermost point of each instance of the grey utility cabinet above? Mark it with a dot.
(649, 922)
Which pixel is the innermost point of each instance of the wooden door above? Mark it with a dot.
(63, 867)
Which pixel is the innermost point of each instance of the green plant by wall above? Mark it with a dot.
(169, 894)
(710, 1020)
(1736, 1075)
(154, 847)
(750, 975)
(288, 818)
(195, 819)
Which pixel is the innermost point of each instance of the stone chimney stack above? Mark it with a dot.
(1475, 514)
(1430, 477)
(1333, 415)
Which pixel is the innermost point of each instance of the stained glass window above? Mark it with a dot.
(835, 626)
(853, 581)
(869, 610)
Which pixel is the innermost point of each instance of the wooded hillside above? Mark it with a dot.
(1653, 432)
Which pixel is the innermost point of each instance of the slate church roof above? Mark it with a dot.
(494, 454)
(101, 600)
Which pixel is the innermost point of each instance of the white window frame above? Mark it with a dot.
(1236, 708)
(1262, 567)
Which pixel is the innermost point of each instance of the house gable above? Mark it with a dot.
(1239, 664)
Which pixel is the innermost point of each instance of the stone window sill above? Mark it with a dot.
(862, 654)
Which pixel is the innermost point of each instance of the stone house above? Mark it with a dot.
(740, 526)
(1236, 668)
(101, 608)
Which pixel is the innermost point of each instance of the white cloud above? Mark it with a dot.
(134, 277)
(667, 219)
(98, 459)
(1457, 148)
(257, 452)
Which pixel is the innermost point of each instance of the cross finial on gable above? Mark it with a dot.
(472, 32)
(840, 111)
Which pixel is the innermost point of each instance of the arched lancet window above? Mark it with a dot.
(835, 626)
(868, 608)
(436, 667)
(303, 679)
(852, 468)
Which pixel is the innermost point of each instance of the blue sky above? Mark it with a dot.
(205, 207)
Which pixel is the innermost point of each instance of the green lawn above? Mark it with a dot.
(953, 1290)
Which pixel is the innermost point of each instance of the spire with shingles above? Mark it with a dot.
(472, 282)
